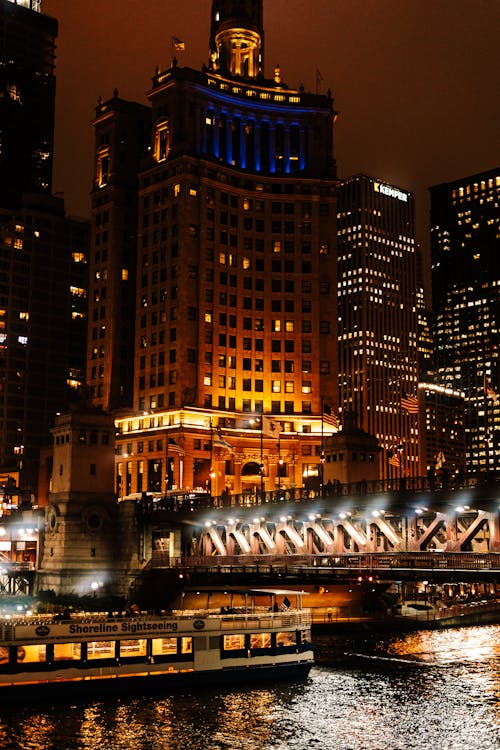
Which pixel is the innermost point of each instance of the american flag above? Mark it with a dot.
(329, 417)
(178, 45)
(490, 391)
(394, 459)
(409, 403)
(220, 442)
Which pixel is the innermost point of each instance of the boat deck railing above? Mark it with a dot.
(240, 618)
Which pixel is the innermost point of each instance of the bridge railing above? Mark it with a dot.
(429, 561)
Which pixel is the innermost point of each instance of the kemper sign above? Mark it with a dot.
(392, 192)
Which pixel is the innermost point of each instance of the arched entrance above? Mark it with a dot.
(250, 477)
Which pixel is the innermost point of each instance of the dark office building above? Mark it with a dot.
(43, 253)
(235, 271)
(27, 99)
(465, 236)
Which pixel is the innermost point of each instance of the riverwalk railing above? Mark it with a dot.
(192, 501)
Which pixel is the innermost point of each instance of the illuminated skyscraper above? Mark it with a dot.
(465, 241)
(236, 271)
(378, 318)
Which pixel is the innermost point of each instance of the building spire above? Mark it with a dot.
(237, 38)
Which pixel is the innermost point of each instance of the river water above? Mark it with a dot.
(423, 691)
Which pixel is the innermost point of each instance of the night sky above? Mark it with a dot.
(416, 82)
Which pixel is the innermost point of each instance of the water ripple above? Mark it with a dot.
(438, 689)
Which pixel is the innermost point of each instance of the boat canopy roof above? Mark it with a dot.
(250, 591)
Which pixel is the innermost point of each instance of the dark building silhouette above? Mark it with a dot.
(465, 242)
(27, 100)
(43, 253)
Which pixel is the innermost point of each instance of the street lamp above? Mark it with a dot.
(322, 461)
(211, 477)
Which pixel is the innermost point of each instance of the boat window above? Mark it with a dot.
(133, 647)
(100, 650)
(305, 636)
(260, 640)
(233, 642)
(187, 646)
(164, 646)
(67, 651)
(31, 654)
(286, 639)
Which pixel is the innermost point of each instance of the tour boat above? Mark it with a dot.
(179, 649)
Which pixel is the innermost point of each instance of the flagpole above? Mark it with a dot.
(322, 454)
(166, 463)
(210, 471)
(261, 467)
(486, 437)
(279, 461)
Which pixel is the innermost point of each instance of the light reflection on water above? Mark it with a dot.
(426, 690)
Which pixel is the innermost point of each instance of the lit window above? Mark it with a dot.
(77, 291)
(162, 141)
(177, 190)
(124, 274)
(276, 386)
(103, 166)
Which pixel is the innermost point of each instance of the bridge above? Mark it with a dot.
(369, 529)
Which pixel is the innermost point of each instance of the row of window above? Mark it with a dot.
(158, 444)
(141, 648)
(247, 364)
(85, 437)
(157, 401)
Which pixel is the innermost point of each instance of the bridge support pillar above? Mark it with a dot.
(494, 527)
(452, 543)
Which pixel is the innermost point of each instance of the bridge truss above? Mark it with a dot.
(291, 529)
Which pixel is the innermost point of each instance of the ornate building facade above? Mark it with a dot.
(230, 267)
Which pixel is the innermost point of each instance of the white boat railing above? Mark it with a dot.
(237, 618)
